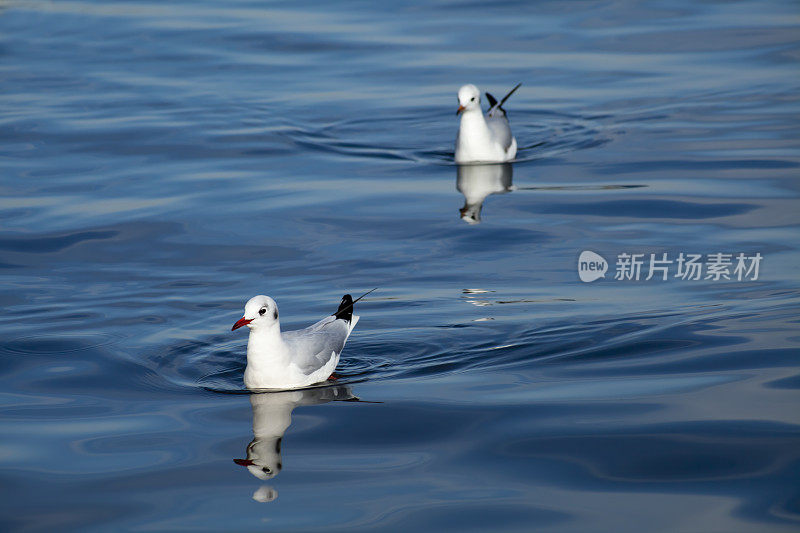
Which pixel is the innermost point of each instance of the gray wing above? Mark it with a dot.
(500, 129)
(313, 347)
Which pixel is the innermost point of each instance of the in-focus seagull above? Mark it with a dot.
(483, 139)
(292, 359)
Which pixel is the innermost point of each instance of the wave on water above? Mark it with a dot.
(539, 135)
(217, 363)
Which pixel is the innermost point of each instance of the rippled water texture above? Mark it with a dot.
(164, 162)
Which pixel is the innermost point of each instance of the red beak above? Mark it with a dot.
(460, 109)
(244, 462)
(241, 322)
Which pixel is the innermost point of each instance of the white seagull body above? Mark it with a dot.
(483, 139)
(292, 359)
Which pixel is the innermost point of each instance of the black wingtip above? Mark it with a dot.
(512, 91)
(345, 311)
(493, 100)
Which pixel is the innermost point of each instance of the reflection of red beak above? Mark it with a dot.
(460, 109)
(244, 462)
(241, 322)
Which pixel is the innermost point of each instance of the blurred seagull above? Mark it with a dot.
(293, 359)
(483, 139)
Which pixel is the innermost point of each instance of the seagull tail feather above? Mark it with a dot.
(345, 311)
(494, 104)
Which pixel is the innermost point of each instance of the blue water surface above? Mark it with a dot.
(162, 162)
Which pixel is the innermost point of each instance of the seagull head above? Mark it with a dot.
(263, 458)
(259, 312)
(469, 98)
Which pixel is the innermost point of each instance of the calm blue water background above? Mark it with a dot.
(164, 162)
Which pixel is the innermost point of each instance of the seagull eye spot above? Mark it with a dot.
(472, 99)
(262, 311)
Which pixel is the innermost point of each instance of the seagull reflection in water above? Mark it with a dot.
(272, 416)
(476, 182)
